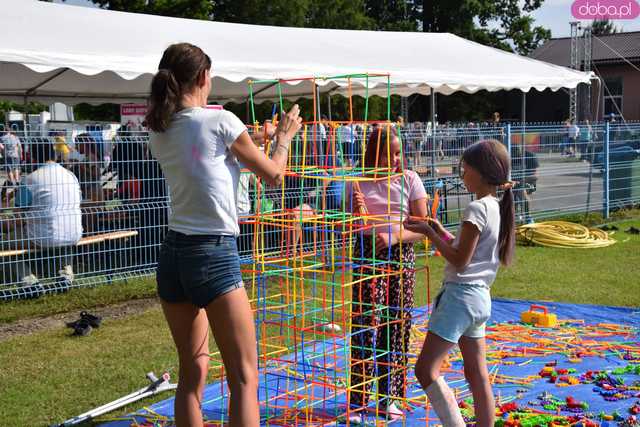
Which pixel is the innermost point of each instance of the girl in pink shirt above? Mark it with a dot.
(381, 304)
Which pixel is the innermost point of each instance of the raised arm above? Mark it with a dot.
(271, 170)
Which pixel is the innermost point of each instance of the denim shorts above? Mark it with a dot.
(460, 309)
(11, 163)
(197, 268)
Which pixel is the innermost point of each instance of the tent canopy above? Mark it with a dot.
(77, 54)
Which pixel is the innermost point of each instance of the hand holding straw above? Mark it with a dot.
(362, 208)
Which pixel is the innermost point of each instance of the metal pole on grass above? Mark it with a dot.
(157, 385)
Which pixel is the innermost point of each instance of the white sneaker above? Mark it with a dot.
(29, 280)
(394, 412)
(30, 287)
(67, 273)
(355, 419)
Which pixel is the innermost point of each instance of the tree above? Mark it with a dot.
(196, 9)
(102, 112)
(31, 108)
(392, 15)
(262, 12)
(504, 24)
(339, 14)
(603, 27)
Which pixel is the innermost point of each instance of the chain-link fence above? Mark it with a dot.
(87, 207)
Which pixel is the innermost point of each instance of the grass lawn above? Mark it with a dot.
(48, 376)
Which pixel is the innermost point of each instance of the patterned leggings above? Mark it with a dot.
(381, 323)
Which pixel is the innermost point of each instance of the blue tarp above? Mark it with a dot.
(329, 404)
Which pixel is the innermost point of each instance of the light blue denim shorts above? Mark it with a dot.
(460, 309)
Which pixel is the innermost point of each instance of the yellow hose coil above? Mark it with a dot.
(561, 234)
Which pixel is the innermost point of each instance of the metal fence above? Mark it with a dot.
(84, 208)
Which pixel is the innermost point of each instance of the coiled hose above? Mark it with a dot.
(561, 234)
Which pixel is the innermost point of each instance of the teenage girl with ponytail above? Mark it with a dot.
(485, 240)
(198, 277)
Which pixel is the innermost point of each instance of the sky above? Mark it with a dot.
(554, 14)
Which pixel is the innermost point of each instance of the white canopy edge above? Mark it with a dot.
(76, 54)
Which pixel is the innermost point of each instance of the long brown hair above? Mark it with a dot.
(377, 145)
(181, 66)
(492, 161)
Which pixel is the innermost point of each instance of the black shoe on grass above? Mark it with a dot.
(93, 320)
(632, 230)
(82, 328)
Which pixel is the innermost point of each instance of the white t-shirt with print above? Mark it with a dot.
(11, 146)
(54, 218)
(201, 172)
(485, 215)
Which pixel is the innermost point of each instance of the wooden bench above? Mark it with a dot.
(36, 290)
(87, 240)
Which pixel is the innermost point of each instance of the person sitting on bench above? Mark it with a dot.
(47, 222)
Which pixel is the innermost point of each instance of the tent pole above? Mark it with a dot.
(433, 134)
(25, 114)
(524, 108)
(319, 103)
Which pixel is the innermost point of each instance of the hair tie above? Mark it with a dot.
(506, 186)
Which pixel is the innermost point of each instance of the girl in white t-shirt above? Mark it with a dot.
(199, 280)
(485, 240)
(382, 303)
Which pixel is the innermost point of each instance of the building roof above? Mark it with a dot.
(606, 49)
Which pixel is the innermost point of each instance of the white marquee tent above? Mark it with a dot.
(75, 54)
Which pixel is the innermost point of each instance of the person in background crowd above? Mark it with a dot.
(524, 173)
(572, 131)
(12, 151)
(48, 221)
(585, 140)
(61, 148)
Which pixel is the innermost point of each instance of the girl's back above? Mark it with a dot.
(484, 214)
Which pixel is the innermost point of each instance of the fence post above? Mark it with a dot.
(509, 145)
(605, 152)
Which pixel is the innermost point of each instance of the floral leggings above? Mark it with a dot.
(381, 322)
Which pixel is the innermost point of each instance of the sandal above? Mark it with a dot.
(93, 320)
(632, 230)
(85, 317)
(82, 328)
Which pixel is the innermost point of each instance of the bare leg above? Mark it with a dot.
(190, 331)
(234, 331)
(475, 371)
(434, 350)
(299, 215)
(442, 399)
